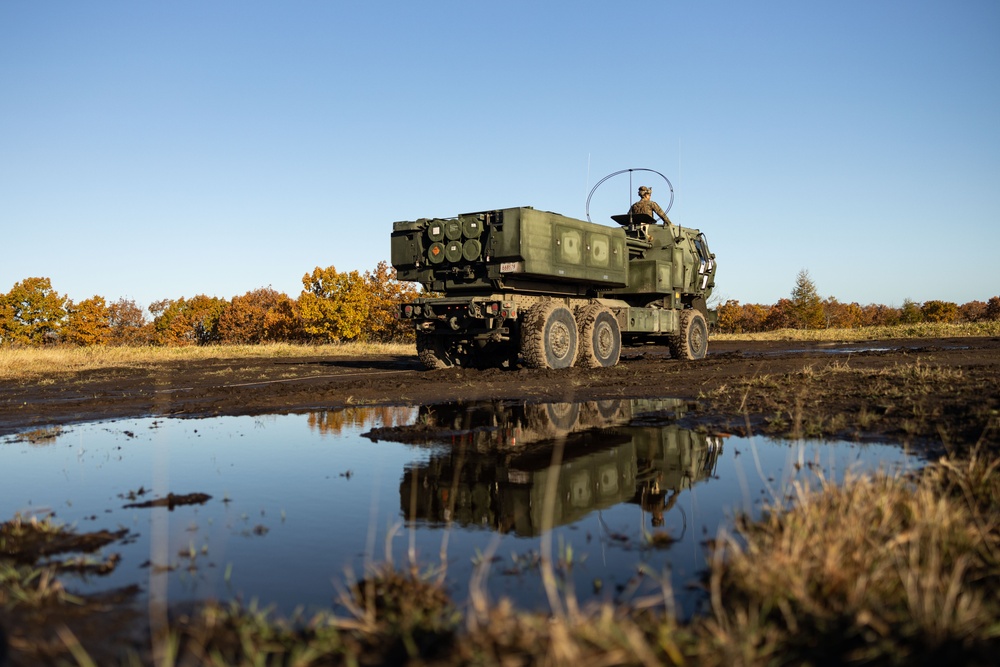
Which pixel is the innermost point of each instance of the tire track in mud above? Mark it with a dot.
(260, 383)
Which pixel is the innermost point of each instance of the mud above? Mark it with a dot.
(943, 391)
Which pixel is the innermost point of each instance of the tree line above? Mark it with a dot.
(806, 309)
(337, 306)
(332, 307)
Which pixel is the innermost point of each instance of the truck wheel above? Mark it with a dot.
(600, 337)
(692, 342)
(550, 420)
(549, 336)
(432, 352)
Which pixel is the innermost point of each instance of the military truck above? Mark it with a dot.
(606, 460)
(551, 291)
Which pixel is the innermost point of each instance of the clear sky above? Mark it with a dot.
(154, 150)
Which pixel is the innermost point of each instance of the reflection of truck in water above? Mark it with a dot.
(602, 462)
(552, 290)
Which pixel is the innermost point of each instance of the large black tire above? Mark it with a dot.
(600, 337)
(692, 341)
(549, 336)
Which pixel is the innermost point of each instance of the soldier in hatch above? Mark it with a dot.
(648, 206)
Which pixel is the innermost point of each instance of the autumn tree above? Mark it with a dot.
(87, 322)
(31, 312)
(746, 318)
(939, 311)
(263, 315)
(807, 307)
(128, 323)
(728, 317)
(973, 311)
(779, 316)
(879, 315)
(186, 321)
(842, 315)
(386, 294)
(334, 306)
(992, 309)
(7, 322)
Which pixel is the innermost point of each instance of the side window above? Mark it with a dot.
(699, 244)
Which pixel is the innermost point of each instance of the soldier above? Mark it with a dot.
(647, 205)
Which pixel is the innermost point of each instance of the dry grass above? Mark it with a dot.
(922, 330)
(882, 569)
(17, 363)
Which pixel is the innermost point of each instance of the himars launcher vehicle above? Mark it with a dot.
(552, 290)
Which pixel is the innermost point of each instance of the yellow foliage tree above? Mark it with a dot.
(736, 318)
(31, 312)
(728, 317)
(387, 294)
(940, 311)
(334, 306)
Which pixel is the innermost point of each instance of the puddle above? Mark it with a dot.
(830, 350)
(277, 509)
(848, 350)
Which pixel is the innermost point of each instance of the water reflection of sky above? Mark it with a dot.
(297, 500)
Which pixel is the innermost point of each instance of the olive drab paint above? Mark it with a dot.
(502, 272)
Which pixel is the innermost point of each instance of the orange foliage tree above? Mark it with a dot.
(261, 316)
(128, 323)
(974, 311)
(186, 321)
(879, 315)
(87, 322)
(842, 315)
(31, 313)
(334, 306)
(736, 318)
(779, 315)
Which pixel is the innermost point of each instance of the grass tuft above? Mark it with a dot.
(879, 569)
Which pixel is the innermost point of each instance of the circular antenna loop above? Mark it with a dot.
(629, 172)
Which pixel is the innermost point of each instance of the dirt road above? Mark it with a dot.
(944, 391)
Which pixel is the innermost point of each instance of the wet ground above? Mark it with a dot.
(147, 519)
(929, 389)
(221, 509)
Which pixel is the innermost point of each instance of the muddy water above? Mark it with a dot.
(620, 495)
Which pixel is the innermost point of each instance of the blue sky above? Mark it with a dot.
(165, 149)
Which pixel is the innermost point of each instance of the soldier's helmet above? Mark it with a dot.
(644, 190)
